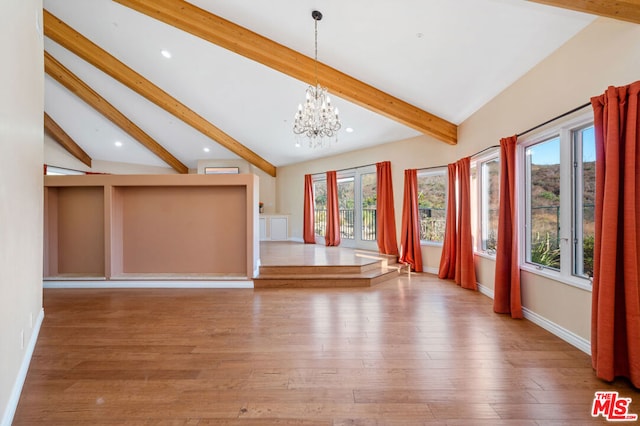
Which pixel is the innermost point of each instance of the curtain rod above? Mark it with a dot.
(553, 119)
(353, 168)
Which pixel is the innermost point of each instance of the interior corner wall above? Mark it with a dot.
(21, 192)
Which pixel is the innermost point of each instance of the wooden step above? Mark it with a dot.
(269, 270)
(325, 280)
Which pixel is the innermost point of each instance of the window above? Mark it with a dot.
(558, 199)
(543, 203)
(58, 171)
(485, 173)
(432, 201)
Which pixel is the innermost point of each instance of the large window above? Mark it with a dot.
(432, 201)
(559, 193)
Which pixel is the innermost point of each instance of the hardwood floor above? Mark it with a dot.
(408, 351)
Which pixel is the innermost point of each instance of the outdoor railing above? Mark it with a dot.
(347, 223)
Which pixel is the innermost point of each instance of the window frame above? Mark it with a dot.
(434, 171)
(492, 154)
(564, 130)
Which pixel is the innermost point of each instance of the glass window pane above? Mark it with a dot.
(543, 209)
(346, 203)
(585, 201)
(368, 190)
(320, 206)
(432, 197)
(490, 204)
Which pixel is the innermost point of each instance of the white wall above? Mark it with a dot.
(21, 159)
(605, 53)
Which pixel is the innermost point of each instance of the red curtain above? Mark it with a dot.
(447, 270)
(308, 219)
(615, 319)
(410, 252)
(507, 280)
(386, 214)
(465, 269)
(332, 236)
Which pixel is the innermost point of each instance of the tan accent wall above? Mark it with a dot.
(21, 136)
(605, 53)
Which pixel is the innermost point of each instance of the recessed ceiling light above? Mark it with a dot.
(166, 53)
(348, 130)
(206, 149)
(118, 143)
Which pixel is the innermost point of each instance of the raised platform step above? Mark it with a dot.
(293, 265)
(325, 279)
(271, 270)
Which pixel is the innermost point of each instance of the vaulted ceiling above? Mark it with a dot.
(239, 69)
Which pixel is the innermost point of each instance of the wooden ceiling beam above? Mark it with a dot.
(242, 41)
(628, 10)
(60, 136)
(75, 42)
(69, 80)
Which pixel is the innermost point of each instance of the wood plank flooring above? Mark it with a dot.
(408, 351)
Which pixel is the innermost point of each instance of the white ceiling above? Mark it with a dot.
(448, 57)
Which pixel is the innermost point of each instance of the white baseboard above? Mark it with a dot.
(485, 290)
(14, 398)
(579, 342)
(573, 339)
(147, 284)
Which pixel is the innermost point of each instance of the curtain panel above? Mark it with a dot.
(447, 270)
(332, 236)
(386, 216)
(507, 298)
(308, 219)
(410, 252)
(615, 319)
(465, 271)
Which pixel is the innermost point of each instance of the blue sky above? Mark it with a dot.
(549, 152)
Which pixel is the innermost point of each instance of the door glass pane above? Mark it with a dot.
(346, 204)
(368, 189)
(320, 207)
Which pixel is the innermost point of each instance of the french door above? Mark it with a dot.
(357, 205)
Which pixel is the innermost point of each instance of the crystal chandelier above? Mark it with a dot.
(317, 119)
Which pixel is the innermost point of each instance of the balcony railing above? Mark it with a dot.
(347, 223)
(432, 223)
